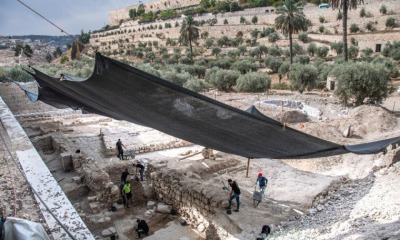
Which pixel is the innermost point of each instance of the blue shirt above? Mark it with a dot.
(262, 181)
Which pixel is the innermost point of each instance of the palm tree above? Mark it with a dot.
(189, 32)
(345, 5)
(291, 20)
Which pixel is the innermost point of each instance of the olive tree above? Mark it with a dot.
(303, 77)
(253, 82)
(222, 79)
(244, 66)
(362, 81)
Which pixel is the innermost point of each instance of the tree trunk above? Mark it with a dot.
(191, 51)
(345, 49)
(290, 48)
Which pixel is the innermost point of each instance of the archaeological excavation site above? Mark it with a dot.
(69, 160)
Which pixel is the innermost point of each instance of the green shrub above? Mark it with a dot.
(312, 49)
(196, 85)
(224, 80)
(254, 20)
(175, 77)
(321, 29)
(209, 42)
(395, 54)
(215, 51)
(389, 46)
(303, 37)
(17, 74)
(321, 19)
(363, 13)
(224, 63)
(185, 60)
(353, 52)
(322, 51)
(274, 50)
(273, 37)
(389, 64)
(337, 47)
(267, 31)
(323, 71)
(297, 49)
(302, 59)
(210, 72)
(233, 53)
(303, 77)
(194, 70)
(242, 49)
(361, 81)
(354, 28)
(63, 59)
(273, 63)
(353, 41)
(339, 16)
(244, 66)
(390, 22)
(366, 53)
(202, 62)
(283, 69)
(370, 26)
(280, 86)
(383, 9)
(255, 52)
(253, 82)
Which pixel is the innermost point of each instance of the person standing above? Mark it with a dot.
(141, 170)
(235, 194)
(2, 220)
(142, 227)
(265, 231)
(119, 146)
(128, 194)
(124, 175)
(262, 182)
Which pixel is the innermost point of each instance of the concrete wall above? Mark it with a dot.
(42, 181)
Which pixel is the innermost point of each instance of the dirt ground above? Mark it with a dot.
(340, 197)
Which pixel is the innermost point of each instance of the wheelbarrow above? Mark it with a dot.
(129, 154)
(257, 197)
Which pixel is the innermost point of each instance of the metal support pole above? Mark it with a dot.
(248, 165)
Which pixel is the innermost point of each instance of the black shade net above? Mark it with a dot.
(123, 92)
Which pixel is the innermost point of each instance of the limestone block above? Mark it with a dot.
(77, 179)
(151, 204)
(92, 199)
(66, 161)
(108, 232)
(164, 208)
(113, 230)
(106, 220)
(115, 191)
(94, 207)
(149, 213)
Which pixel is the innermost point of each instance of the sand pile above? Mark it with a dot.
(371, 119)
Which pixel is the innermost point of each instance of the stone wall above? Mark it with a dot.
(109, 143)
(199, 203)
(98, 181)
(121, 14)
(115, 170)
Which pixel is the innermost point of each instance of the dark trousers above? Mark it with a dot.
(237, 197)
(141, 171)
(120, 154)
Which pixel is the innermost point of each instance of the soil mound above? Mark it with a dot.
(292, 117)
(371, 119)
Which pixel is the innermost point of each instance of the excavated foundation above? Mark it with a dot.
(200, 205)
